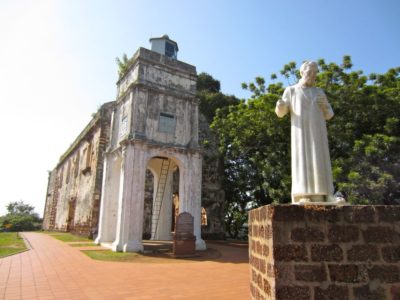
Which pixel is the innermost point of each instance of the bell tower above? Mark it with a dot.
(164, 45)
(154, 126)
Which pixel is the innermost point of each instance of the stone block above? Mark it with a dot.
(309, 234)
(253, 275)
(267, 287)
(258, 263)
(293, 292)
(261, 230)
(386, 274)
(255, 230)
(363, 253)
(265, 251)
(258, 247)
(315, 213)
(271, 270)
(255, 293)
(365, 293)
(343, 233)
(348, 273)
(359, 214)
(286, 213)
(379, 234)
(280, 272)
(326, 253)
(303, 272)
(268, 232)
(391, 254)
(259, 281)
(257, 215)
(290, 253)
(389, 213)
(263, 213)
(262, 265)
(332, 292)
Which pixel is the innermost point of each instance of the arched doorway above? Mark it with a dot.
(165, 190)
(124, 193)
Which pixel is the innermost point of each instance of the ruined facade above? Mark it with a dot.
(213, 195)
(74, 187)
(140, 154)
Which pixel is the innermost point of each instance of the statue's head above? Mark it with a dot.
(308, 72)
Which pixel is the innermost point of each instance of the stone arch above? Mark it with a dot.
(162, 213)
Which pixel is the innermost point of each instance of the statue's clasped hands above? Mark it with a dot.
(322, 101)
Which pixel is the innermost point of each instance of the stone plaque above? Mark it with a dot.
(184, 239)
(184, 224)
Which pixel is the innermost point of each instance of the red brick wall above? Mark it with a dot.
(324, 252)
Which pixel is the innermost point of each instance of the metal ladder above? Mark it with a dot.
(162, 181)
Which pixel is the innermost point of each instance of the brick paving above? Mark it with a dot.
(54, 270)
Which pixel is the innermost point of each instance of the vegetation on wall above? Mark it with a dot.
(123, 63)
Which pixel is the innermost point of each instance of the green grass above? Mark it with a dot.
(132, 257)
(109, 255)
(83, 245)
(67, 237)
(11, 243)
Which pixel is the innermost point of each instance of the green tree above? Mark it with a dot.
(364, 138)
(211, 98)
(20, 217)
(255, 148)
(206, 83)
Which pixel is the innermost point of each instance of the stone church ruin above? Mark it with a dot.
(138, 163)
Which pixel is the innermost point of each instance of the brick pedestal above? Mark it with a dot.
(325, 252)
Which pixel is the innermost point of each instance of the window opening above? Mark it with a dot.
(166, 123)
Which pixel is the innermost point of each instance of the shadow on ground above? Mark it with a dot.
(219, 251)
(161, 252)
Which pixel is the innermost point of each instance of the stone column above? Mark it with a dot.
(109, 198)
(101, 237)
(190, 189)
(156, 174)
(131, 200)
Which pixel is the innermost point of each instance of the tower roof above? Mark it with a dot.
(164, 37)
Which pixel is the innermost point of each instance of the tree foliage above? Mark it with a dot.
(206, 83)
(20, 217)
(211, 98)
(364, 138)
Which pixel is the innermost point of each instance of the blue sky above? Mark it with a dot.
(57, 60)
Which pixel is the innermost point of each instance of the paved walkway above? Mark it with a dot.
(55, 270)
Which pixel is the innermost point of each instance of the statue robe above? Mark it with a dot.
(311, 165)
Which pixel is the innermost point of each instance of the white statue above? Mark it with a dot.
(311, 165)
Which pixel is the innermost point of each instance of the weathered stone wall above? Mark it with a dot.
(145, 70)
(212, 193)
(49, 212)
(153, 87)
(325, 252)
(74, 189)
